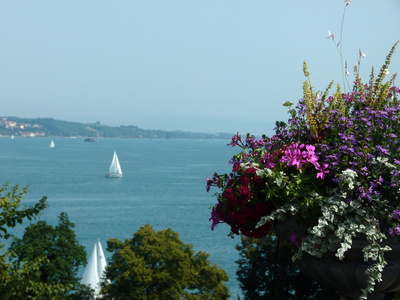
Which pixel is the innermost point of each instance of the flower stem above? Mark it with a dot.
(341, 51)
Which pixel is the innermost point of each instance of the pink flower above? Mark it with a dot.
(235, 140)
(213, 181)
(293, 156)
(309, 155)
(322, 170)
(209, 183)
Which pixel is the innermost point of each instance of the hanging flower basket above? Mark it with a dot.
(347, 275)
(335, 169)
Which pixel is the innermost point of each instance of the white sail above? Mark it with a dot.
(51, 144)
(101, 261)
(95, 269)
(115, 168)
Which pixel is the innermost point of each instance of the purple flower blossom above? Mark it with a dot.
(215, 218)
(396, 214)
(395, 230)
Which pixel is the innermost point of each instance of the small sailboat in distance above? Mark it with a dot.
(51, 144)
(115, 169)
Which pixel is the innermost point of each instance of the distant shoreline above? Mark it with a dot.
(48, 127)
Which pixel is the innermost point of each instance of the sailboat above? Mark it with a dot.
(115, 168)
(95, 269)
(51, 144)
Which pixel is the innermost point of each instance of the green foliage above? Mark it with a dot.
(265, 271)
(318, 112)
(18, 280)
(11, 212)
(59, 248)
(158, 265)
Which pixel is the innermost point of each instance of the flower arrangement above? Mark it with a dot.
(334, 167)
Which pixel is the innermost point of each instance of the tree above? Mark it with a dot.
(18, 281)
(11, 212)
(16, 277)
(266, 271)
(63, 253)
(158, 265)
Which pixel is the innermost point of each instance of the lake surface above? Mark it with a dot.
(163, 185)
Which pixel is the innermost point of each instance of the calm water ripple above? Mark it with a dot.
(163, 185)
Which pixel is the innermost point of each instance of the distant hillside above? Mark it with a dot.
(51, 127)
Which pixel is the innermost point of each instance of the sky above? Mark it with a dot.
(202, 66)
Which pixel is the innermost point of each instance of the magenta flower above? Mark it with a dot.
(293, 155)
(235, 140)
(209, 183)
(213, 181)
(309, 155)
(322, 170)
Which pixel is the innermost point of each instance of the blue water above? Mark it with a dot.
(163, 185)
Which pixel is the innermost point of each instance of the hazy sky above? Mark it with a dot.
(204, 65)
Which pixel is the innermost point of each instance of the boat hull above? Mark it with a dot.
(113, 175)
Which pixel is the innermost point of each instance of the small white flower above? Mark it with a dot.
(347, 73)
(348, 2)
(361, 54)
(387, 72)
(330, 35)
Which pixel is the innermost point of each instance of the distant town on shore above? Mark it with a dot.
(42, 127)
